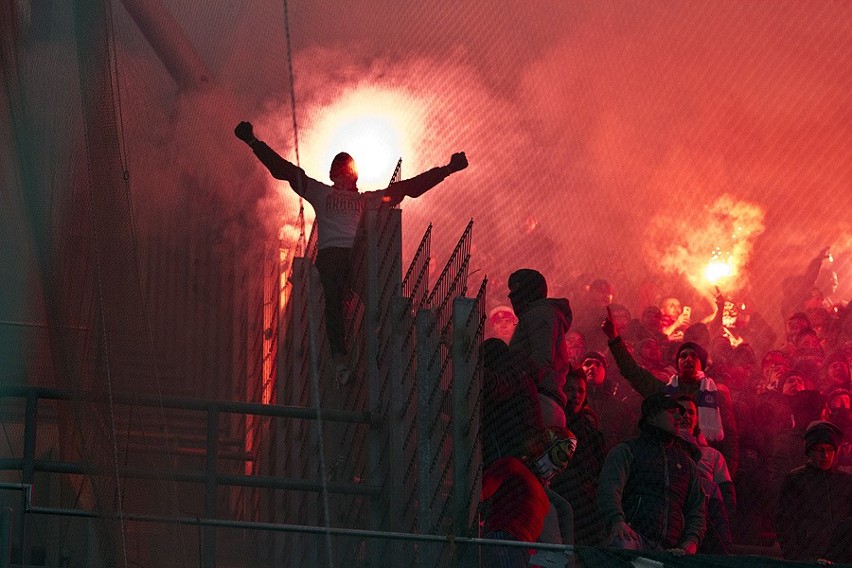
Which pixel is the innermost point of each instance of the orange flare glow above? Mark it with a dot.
(717, 270)
(725, 231)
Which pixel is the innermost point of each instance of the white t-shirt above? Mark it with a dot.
(338, 211)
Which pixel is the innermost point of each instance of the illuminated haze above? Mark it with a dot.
(624, 140)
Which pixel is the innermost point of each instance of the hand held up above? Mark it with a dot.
(458, 162)
(608, 326)
(245, 132)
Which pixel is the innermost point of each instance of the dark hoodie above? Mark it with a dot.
(539, 340)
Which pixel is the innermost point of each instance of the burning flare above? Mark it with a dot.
(712, 246)
(717, 270)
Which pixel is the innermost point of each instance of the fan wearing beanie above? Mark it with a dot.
(814, 514)
(715, 407)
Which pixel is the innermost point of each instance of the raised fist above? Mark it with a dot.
(244, 131)
(458, 162)
(608, 326)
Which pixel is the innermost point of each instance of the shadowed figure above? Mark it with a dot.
(338, 208)
(539, 339)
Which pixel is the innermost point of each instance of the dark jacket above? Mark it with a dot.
(539, 340)
(511, 414)
(616, 417)
(651, 482)
(717, 539)
(812, 504)
(578, 484)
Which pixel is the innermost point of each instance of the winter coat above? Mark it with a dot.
(539, 340)
(578, 484)
(652, 483)
(813, 502)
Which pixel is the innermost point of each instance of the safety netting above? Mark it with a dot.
(153, 273)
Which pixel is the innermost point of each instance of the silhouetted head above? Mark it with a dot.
(652, 318)
(697, 333)
(791, 382)
(620, 315)
(594, 366)
(494, 352)
(344, 172)
(649, 351)
(526, 286)
(837, 371)
(822, 439)
(796, 323)
(689, 418)
(575, 390)
(671, 307)
(805, 407)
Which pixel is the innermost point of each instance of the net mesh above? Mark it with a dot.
(146, 257)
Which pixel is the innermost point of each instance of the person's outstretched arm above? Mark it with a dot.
(420, 184)
(640, 378)
(277, 166)
(715, 325)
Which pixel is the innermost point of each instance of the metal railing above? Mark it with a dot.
(209, 476)
(407, 428)
(408, 384)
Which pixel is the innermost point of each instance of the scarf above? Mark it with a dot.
(707, 401)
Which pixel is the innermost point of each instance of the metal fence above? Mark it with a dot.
(395, 451)
(405, 378)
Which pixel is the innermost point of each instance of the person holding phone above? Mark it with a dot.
(676, 318)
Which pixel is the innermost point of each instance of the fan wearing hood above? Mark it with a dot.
(539, 339)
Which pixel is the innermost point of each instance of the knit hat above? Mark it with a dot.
(501, 312)
(597, 357)
(700, 351)
(822, 432)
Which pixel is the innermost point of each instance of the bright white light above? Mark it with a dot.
(374, 142)
(376, 126)
(717, 270)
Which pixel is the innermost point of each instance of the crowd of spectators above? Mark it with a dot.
(712, 436)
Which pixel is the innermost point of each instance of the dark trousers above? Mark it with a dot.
(334, 265)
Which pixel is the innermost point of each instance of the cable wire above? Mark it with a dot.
(312, 327)
(114, 67)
